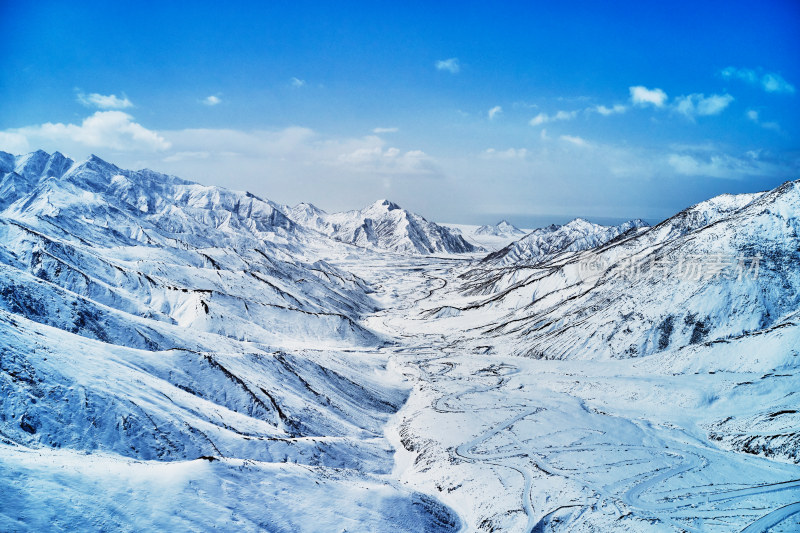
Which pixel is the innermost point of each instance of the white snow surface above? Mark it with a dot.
(491, 237)
(176, 357)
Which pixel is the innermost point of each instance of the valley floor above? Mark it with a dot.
(517, 444)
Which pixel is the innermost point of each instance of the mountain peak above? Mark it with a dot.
(389, 205)
(501, 229)
(97, 159)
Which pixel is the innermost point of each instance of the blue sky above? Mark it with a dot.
(463, 111)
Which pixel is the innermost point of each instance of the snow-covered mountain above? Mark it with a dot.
(715, 288)
(182, 357)
(159, 333)
(696, 262)
(488, 237)
(382, 225)
(655, 379)
(544, 243)
(501, 229)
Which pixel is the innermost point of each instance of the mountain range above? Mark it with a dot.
(175, 356)
(547, 242)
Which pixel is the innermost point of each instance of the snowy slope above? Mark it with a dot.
(634, 386)
(689, 279)
(182, 357)
(146, 322)
(382, 225)
(718, 278)
(544, 243)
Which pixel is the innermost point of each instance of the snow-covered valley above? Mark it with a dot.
(186, 358)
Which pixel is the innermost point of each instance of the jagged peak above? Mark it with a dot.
(387, 204)
(97, 159)
(637, 223)
(579, 224)
(308, 207)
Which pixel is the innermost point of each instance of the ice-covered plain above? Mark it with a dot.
(187, 358)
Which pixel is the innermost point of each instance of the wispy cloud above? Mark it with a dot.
(716, 163)
(769, 81)
(114, 130)
(606, 111)
(212, 100)
(698, 104)
(450, 65)
(544, 118)
(385, 130)
(297, 82)
(102, 101)
(375, 157)
(493, 112)
(511, 153)
(642, 96)
(298, 151)
(577, 141)
(755, 117)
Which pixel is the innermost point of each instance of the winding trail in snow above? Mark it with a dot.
(676, 505)
(683, 460)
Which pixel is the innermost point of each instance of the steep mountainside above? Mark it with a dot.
(714, 288)
(544, 243)
(178, 357)
(147, 321)
(382, 225)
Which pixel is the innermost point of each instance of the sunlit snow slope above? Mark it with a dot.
(176, 357)
(649, 383)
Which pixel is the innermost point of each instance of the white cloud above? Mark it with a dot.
(493, 112)
(744, 74)
(544, 118)
(511, 153)
(385, 130)
(14, 143)
(539, 119)
(212, 100)
(642, 96)
(104, 129)
(565, 115)
(773, 83)
(698, 104)
(370, 156)
(183, 156)
(606, 111)
(102, 101)
(769, 81)
(450, 65)
(577, 141)
(754, 116)
(684, 164)
(297, 82)
(718, 164)
(294, 151)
